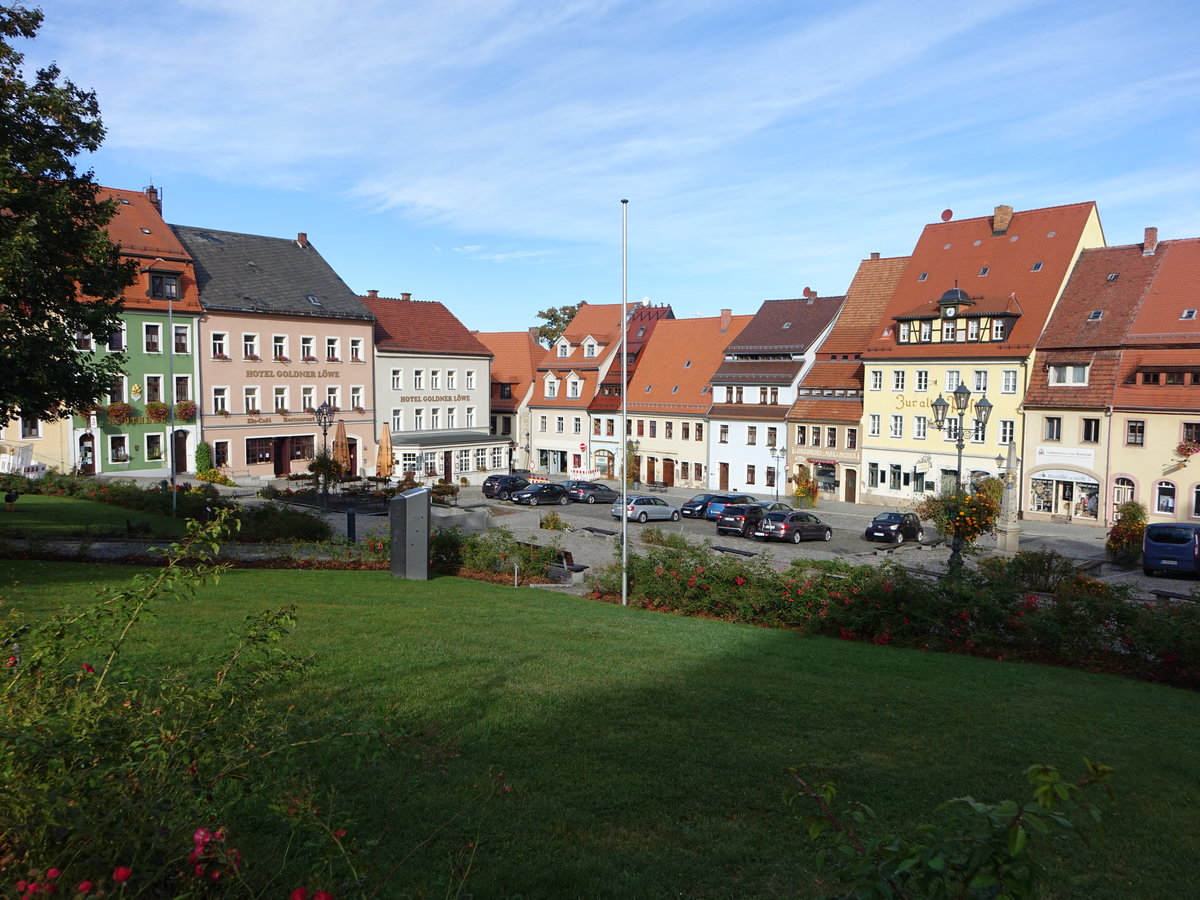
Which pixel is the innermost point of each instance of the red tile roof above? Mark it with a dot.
(677, 365)
(421, 326)
(139, 230)
(867, 298)
(827, 409)
(514, 361)
(1174, 290)
(954, 253)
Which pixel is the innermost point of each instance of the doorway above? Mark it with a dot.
(283, 457)
(87, 454)
(179, 442)
(723, 477)
(651, 468)
(851, 476)
(669, 472)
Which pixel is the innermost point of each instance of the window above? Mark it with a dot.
(151, 333)
(470, 414)
(1068, 374)
(154, 392)
(699, 433)
(953, 379)
(774, 396)
(559, 423)
(397, 379)
(356, 349)
(118, 448)
(31, 429)
(737, 395)
(1091, 431)
(1112, 276)
(1164, 497)
(951, 433)
(670, 433)
(1174, 377)
(751, 435)
(308, 401)
(927, 331)
(564, 349)
(972, 329)
(851, 438)
(610, 426)
(1188, 314)
(116, 340)
(595, 428)
(220, 453)
(452, 379)
(116, 390)
(542, 424)
(481, 457)
(749, 474)
(898, 380)
(279, 347)
(165, 287)
(1150, 377)
(281, 400)
(308, 349)
(998, 327)
(684, 471)
(724, 435)
(873, 425)
(698, 471)
(470, 379)
(1135, 432)
(418, 379)
(983, 271)
(949, 332)
(770, 481)
(1095, 315)
(397, 420)
(897, 427)
(250, 346)
(250, 400)
(894, 477)
(183, 388)
(1008, 430)
(572, 389)
(772, 436)
(577, 426)
(1008, 384)
(551, 388)
(497, 456)
(816, 435)
(505, 391)
(589, 349)
(220, 400)
(978, 431)
(258, 450)
(333, 396)
(462, 461)
(801, 435)
(981, 380)
(762, 395)
(435, 418)
(419, 420)
(356, 396)
(333, 351)
(1053, 428)
(1036, 267)
(877, 379)
(685, 432)
(922, 380)
(920, 427)
(873, 475)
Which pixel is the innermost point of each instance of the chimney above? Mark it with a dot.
(373, 294)
(726, 318)
(1002, 219)
(302, 238)
(406, 296)
(536, 334)
(1150, 244)
(153, 196)
(875, 254)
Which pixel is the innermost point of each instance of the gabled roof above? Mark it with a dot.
(1009, 261)
(1174, 289)
(820, 410)
(139, 230)
(679, 359)
(420, 326)
(514, 355)
(867, 298)
(786, 326)
(248, 273)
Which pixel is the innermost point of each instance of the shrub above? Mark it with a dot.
(204, 457)
(1124, 544)
(551, 521)
(1040, 570)
(655, 535)
(275, 522)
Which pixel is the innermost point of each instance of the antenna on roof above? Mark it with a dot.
(809, 293)
(947, 215)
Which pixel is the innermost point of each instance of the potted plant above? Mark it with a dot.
(185, 410)
(1187, 449)
(221, 357)
(157, 411)
(118, 413)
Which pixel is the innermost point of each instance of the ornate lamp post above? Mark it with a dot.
(983, 411)
(778, 455)
(325, 419)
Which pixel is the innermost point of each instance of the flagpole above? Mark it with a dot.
(624, 404)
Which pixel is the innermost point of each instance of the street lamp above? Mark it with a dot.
(778, 454)
(983, 411)
(325, 419)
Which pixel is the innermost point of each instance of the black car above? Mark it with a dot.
(719, 502)
(698, 505)
(593, 492)
(501, 487)
(538, 494)
(740, 518)
(896, 527)
(792, 526)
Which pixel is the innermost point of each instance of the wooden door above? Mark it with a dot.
(723, 481)
(851, 477)
(669, 472)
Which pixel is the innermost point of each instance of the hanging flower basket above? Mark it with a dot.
(1187, 449)
(185, 410)
(157, 411)
(118, 413)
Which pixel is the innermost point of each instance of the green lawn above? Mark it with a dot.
(44, 516)
(647, 754)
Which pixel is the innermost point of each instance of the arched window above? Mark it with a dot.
(1164, 497)
(1122, 491)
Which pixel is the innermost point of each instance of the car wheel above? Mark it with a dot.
(564, 500)
(920, 535)
(675, 516)
(899, 537)
(533, 501)
(504, 495)
(828, 536)
(591, 498)
(795, 537)
(642, 517)
(1146, 570)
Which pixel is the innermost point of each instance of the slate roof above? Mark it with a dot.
(779, 328)
(955, 253)
(681, 355)
(248, 273)
(139, 230)
(420, 326)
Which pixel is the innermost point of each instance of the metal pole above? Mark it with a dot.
(170, 448)
(624, 404)
(956, 543)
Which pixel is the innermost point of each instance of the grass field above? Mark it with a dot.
(44, 516)
(647, 754)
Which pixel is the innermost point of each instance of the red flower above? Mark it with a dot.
(85, 887)
(12, 661)
(739, 581)
(122, 873)
(299, 894)
(322, 895)
(87, 667)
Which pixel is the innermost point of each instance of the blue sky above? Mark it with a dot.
(476, 151)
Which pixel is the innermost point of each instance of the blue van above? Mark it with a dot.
(1173, 546)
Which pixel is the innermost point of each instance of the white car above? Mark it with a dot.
(644, 509)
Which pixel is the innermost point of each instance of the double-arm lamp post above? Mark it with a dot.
(983, 411)
(778, 455)
(325, 419)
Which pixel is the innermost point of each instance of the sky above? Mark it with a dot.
(476, 152)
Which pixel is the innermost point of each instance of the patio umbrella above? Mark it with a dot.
(341, 448)
(386, 460)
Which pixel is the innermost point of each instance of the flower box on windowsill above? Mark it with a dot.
(282, 358)
(220, 357)
(252, 357)
(329, 359)
(310, 359)
(120, 459)
(222, 412)
(360, 410)
(281, 411)
(356, 359)
(254, 412)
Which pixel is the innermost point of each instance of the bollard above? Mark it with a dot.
(350, 535)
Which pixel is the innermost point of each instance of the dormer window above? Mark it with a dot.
(1188, 314)
(922, 276)
(984, 271)
(551, 388)
(1112, 276)
(564, 349)
(164, 287)
(998, 328)
(1068, 374)
(1036, 267)
(1095, 315)
(589, 349)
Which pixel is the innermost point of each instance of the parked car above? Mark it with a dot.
(698, 505)
(540, 494)
(501, 487)
(1171, 547)
(573, 483)
(792, 526)
(896, 527)
(774, 506)
(719, 502)
(739, 518)
(593, 492)
(642, 509)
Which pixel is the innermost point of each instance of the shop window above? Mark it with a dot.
(1164, 497)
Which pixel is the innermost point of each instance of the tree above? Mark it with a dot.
(60, 273)
(557, 319)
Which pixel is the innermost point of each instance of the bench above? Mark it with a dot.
(566, 570)
(1161, 595)
(659, 486)
(735, 550)
(599, 532)
(1089, 566)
